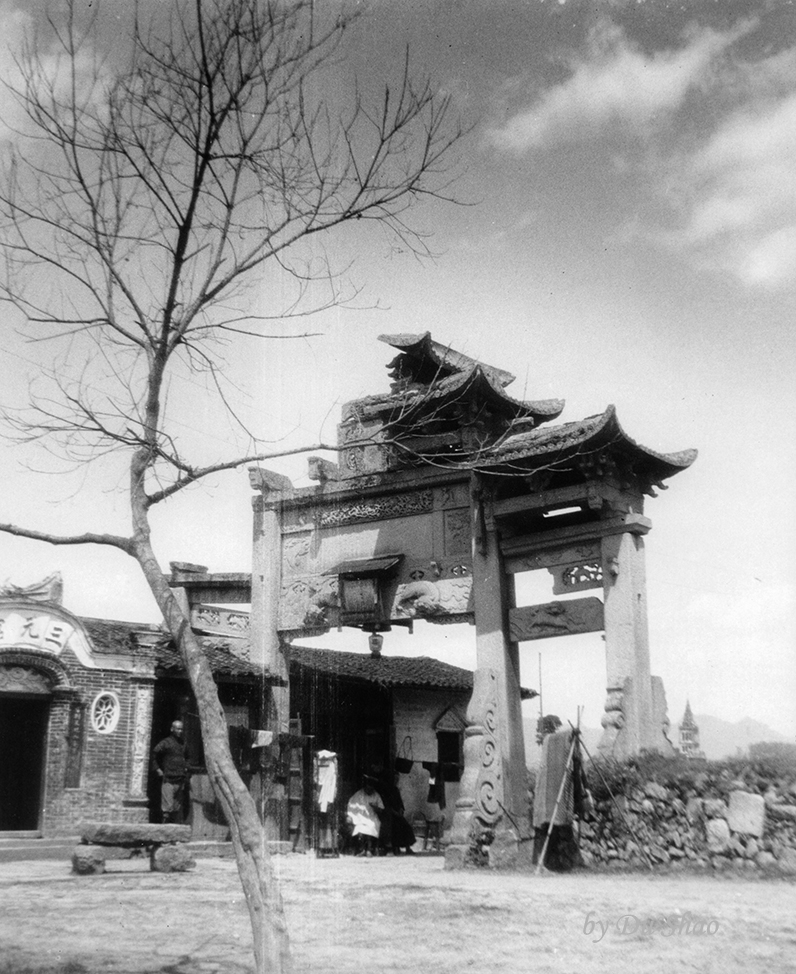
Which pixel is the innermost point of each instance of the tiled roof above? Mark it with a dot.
(221, 660)
(385, 671)
(111, 636)
(558, 443)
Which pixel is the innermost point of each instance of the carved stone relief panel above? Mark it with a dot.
(454, 495)
(377, 509)
(141, 733)
(577, 578)
(488, 792)
(309, 602)
(457, 532)
(580, 553)
(23, 679)
(427, 598)
(215, 619)
(556, 619)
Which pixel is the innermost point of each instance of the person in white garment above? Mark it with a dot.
(363, 811)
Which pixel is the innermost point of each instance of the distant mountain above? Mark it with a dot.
(721, 739)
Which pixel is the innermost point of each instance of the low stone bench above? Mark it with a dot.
(164, 845)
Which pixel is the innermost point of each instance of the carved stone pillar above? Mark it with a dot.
(142, 733)
(493, 792)
(629, 721)
(266, 649)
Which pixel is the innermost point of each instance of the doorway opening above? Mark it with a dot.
(23, 735)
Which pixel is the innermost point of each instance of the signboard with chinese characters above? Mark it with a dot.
(31, 627)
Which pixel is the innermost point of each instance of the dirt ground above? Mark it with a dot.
(402, 915)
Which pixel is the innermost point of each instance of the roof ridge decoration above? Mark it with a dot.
(433, 371)
(444, 357)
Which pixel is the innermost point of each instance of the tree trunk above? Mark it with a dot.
(269, 928)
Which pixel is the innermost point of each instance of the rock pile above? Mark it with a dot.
(716, 819)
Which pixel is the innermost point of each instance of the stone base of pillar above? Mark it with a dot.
(506, 851)
(456, 856)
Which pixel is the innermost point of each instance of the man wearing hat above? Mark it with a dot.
(363, 814)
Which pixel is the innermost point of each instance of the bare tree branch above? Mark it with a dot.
(111, 540)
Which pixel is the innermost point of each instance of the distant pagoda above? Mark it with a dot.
(689, 735)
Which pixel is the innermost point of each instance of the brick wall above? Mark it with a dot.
(103, 793)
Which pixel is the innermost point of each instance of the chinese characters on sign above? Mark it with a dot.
(37, 630)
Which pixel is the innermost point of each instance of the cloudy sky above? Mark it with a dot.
(626, 235)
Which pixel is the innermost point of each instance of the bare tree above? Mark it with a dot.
(139, 196)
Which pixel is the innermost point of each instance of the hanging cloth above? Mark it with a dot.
(326, 778)
(436, 783)
(405, 757)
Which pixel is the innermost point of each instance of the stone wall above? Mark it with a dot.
(728, 816)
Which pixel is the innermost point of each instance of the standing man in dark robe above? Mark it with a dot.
(170, 762)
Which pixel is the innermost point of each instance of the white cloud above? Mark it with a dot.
(615, 81)
(19, 26)
(738, 192)
(717, 128)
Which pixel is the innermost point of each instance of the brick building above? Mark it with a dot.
(83, 701)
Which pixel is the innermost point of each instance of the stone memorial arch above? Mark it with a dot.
(446, 488)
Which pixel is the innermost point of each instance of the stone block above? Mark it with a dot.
(782, 812)
(786, 862)
(714, 808)
(653, 790)
(172, 859)
(718, 835)
(86, 861)
(131, 833)
(747, 813)
(694, 809)
(765, 860)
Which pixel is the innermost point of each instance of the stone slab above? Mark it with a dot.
(747, 813)
(131, 833)
(172, 859)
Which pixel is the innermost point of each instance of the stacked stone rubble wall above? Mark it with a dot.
(712, 817)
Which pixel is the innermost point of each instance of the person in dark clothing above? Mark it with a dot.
(396, 833)
(170, 762)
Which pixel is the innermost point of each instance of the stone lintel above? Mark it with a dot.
(589, 493)
(219, 588)
(518, 552)
(556, 619)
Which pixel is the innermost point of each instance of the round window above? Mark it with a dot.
(105, 712)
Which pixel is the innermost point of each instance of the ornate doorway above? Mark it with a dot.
(24, 716)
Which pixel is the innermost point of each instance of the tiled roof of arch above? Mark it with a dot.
(559, 443)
